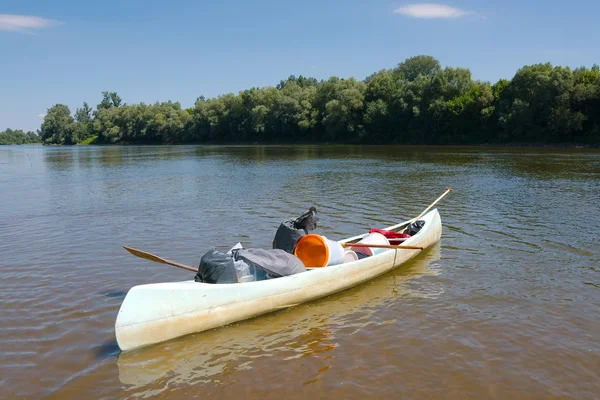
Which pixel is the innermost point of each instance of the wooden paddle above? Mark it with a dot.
(152, 257)
(383, 246)
(427, 209)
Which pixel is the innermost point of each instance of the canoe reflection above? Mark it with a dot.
(307, 331)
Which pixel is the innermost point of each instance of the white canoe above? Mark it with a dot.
(158, 312)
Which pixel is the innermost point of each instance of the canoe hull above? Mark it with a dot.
(158, 312)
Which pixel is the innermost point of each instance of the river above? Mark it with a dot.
(506, 305)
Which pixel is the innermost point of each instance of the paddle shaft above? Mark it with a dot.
(427, 209)
(152, 257)
(383, 246)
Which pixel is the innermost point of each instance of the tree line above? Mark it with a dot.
(417, 102)
(18, 136)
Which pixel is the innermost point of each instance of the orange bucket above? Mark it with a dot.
(317, 251)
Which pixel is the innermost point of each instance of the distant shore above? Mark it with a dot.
(418, 102)
(512, 145)
(499, 145)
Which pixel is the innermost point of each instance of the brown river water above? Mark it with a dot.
(506, 305)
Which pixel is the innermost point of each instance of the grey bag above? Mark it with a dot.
(292, 230)
(275, 262)
(216, 267)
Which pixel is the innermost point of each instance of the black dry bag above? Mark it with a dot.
(292, 230)
(216, 267)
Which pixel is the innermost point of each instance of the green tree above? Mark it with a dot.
(109, 100)
(83, 123)
(413, 67)
(10, 136)
(58, 126)
(84, 114)
(32, 137)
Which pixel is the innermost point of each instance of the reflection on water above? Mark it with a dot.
(309, 330)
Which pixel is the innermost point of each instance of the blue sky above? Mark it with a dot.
(66, 51)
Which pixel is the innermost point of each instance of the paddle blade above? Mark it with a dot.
(143, 254)
(152, 257)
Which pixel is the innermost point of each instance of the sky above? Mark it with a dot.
(67, 51)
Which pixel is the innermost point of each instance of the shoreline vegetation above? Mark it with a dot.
(18, 136)
(416, 103)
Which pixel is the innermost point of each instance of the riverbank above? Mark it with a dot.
(505, 145)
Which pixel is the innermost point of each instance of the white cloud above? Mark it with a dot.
(42, 115)
(431, 10)
(24, 23)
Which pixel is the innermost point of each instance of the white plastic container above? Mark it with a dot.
(317, 251)
(336, 252)
(371, 238)
(350, 256)
(245, 272)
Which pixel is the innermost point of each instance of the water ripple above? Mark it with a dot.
(504, 307)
